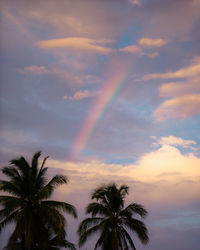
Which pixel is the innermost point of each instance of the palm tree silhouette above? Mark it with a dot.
(27, 205)
(111, 219)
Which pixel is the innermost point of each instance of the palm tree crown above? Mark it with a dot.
(111, 219)
(36, 218)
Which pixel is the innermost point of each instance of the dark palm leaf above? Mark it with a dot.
(27, 205)
(114, 217)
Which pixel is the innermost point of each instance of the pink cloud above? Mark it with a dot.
(134, 2)
(180, 88)
(38, 70)
(81, 94)
(178, 107)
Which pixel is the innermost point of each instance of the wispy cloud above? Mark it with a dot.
(185, 94)
(34, 69)
(134, 2)
(174, 141)
(81, 94)
(190, 71)
(64, 74)
(152, 42)
(143, 44)
(178, 107)
(133, 49)
(188, 86)
(79, 44)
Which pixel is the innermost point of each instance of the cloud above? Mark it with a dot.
(164, 175)
(152, 55)
(134, 2)
(144, 42)
(185, 94)
(136, 50)
(178, 107)
(190, 71)
(180, 88)
(81, 94)
(65, 74)
(38, 70)
(174, 141)
(133, 49)
(78, 44)
(150, 42)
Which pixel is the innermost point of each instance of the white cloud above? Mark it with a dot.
(165, 175)
(174, 141)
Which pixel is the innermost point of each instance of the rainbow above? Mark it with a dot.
(117, 74)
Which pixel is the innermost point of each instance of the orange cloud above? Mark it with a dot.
(178, 107)
(78, 44)
(133, 49)
(192, 70)
(185, 94)
(150, 42)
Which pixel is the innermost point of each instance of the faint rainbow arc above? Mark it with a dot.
(117, 76)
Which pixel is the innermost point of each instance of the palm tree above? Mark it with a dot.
(111, 219)
(28, 206)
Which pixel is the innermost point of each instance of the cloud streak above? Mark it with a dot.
(192, 70)
(150, 42)
(178, 107)
(77, 44)
(81, 94)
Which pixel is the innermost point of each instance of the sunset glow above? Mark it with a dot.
(110, 91)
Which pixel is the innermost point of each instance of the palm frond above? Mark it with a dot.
(53, 218)
(11, 172)
(48, 189)
(9, 204)
(34, 164)
(66, 207)
(88, 233)
(22, 165)
(10, 218)
(135, 208)
(88, 222)
(10, 187)
(123, 190)
(127, 236)
(97, 208)
(58, 241)
(139, 228)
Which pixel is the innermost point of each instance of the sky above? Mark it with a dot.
(110, 90)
